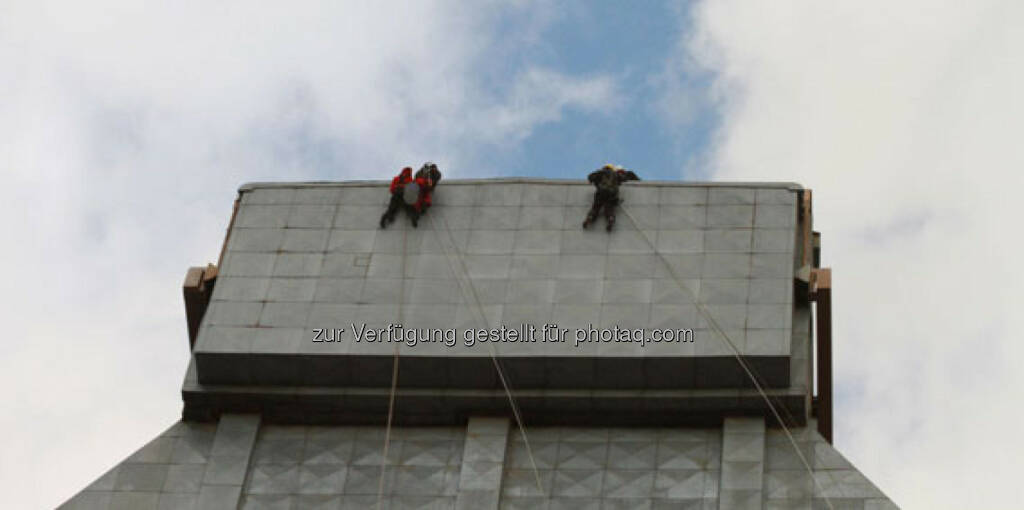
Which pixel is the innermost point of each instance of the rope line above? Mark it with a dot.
(394, 382)
(735, 352)
(459, 267)
(494, 356)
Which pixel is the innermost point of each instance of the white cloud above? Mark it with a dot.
(539, 96)
(680, 96)
(125, 129)
(904, 119)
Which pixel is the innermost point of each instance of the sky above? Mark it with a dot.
(127, 127)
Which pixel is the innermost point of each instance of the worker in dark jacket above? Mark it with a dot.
(398, 198)
(607, 180)
(427, 178)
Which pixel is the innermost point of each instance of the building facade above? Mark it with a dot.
(500, 356)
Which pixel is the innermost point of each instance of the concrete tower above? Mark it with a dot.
(285, 408)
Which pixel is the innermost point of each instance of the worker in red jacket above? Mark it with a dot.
(400, 201)
(427, 178)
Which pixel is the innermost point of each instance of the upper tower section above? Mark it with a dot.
(308, 262)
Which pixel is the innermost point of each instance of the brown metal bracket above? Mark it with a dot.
(197, 289)
(821, 294)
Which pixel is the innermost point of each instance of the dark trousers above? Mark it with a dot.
(396, 203)
(606, 200)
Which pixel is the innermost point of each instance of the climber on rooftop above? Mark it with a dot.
(405, 194)
(607, 180)
(412, 193)
(427, 177)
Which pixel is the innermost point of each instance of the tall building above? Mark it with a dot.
(527, 372)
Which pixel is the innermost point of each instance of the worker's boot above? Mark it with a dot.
(589, 221)
(611, 223)
(384, 221)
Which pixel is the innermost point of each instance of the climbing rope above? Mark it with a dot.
(735, 352)
(394, 382)
(460, 268)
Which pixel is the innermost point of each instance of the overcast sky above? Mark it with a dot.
(126, 129)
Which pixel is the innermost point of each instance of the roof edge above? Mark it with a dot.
(250, 186)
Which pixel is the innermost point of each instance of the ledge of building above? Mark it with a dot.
(249, 186)
(446, 406)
